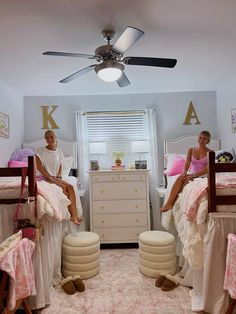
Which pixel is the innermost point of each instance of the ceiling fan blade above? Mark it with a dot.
(154, 62)
(77, 74)
(127, 39)
(123, 80)
(68, 54)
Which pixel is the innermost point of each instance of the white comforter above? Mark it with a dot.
(51, 200)
(190, 214)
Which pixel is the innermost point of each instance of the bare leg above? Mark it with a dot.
(176, 189)
(72, 206)
(68, 190)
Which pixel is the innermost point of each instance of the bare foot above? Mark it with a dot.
(166, 207)
(76, 220)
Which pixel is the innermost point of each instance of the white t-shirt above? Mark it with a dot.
(50, 159)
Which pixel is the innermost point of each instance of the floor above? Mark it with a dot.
(120, 288)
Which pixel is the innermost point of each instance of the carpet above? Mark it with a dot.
(120, 288)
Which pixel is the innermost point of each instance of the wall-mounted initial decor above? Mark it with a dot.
(233, 120)
(4, 125)
(191, 115)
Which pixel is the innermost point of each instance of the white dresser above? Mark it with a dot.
(119, 205)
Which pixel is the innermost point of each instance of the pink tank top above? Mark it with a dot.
(198, 165)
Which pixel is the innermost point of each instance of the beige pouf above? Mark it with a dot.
(81, 252)
(157, 253)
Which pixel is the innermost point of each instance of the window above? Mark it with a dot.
(118, 130)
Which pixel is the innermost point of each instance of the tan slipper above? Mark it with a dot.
(68, 286)
(170, 283)
(78, 283)
(160, 279)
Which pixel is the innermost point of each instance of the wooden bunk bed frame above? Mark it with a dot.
(213, 168)
(17, 172)
(4, 278)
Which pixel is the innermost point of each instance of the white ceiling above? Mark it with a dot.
(199, 34)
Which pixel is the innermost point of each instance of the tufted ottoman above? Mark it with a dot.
(81, 251)
(157, 253)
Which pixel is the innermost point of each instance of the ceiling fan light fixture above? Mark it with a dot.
(109, 71)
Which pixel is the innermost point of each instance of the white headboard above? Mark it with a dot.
(69, 148)
(182, 144)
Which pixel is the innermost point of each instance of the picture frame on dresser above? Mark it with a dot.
(119, 204)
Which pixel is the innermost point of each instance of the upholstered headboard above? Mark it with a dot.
(182, 144)
(69, 148)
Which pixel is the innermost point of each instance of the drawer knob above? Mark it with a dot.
(102, 207)
(101, 191)
(113, 178)
(103, 221)
(102, 235)
(136, 206)
(136, 190)
(137, 220)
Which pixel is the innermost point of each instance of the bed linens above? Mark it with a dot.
(191, 211)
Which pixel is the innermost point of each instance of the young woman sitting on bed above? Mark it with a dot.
(197, 159)
(49, 162)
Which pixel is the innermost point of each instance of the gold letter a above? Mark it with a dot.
(191, 114)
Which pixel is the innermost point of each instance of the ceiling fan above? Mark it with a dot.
(111, 66)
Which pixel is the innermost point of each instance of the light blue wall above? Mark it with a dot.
(226, 101)
(171, 110)
(11, 104)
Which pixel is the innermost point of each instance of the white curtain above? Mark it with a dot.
(82, 146)
(154, 166)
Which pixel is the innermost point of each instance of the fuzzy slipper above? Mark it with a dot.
(160, 279)
(68, 286)
(78, 283)
(170, 283)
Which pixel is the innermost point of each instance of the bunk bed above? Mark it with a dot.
(203, 236)
(53, 216)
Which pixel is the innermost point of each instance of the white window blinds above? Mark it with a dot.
(117, 130)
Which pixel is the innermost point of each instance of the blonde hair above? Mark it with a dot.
(207, 134)
(50, 132)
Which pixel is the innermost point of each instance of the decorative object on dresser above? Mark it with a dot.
(118, 156)
(97, 148)
(140, 147)
(119, 205)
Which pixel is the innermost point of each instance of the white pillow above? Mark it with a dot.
(66, 166)
(228, 150)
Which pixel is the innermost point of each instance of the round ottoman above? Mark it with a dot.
(157, 253)
(80, 254)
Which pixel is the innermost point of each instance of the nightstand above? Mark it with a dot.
(161, 192)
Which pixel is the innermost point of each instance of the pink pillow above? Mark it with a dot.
(17, 164)
(176, 166)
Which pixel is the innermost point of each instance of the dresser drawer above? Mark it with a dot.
(118, 191)
(111, 177)
(119, 206)
(132, 177)
(117, 220)
(119, 235)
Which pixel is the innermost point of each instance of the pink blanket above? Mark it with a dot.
(230, 272)
(198, 189)
(18, 264)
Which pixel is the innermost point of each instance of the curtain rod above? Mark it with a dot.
(131, 112)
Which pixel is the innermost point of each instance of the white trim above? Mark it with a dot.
(182, 144)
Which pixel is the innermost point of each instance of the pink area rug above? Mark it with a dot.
(120, 288)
